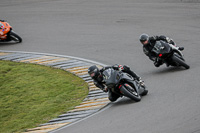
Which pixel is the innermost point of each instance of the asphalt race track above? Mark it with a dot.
(107, 31)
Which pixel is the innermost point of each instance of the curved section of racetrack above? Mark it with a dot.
(107, 31)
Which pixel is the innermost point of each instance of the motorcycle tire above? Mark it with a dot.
(180, 62)
(15, 37)
(128, 91)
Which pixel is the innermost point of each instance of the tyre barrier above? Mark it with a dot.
(95, 101)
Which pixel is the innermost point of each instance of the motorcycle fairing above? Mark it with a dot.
(161, 47)
(5, 28)
(112, 78)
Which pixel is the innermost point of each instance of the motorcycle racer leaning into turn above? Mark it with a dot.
(149, 42)
(96, 74)
(7, 34)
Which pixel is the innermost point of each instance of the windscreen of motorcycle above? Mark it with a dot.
(161, 47)
(110, 77)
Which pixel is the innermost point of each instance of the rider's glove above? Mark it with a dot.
(116, 66)
(120, 68)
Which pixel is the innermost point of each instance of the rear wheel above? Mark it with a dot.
(15, 37)
(181, 62)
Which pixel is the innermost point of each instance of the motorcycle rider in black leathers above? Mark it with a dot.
(148, 44)
(97, 77)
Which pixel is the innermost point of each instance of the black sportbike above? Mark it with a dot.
(123, 84)
(169, 54)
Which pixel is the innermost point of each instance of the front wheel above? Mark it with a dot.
(180, 62)
(130, 92)
(15, 37)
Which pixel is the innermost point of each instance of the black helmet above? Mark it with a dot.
(144, 37)
(93, 71)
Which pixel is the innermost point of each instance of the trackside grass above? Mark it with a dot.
(33, 94)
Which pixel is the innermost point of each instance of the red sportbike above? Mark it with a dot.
(7, 34)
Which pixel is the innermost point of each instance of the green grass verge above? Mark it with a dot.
(33, 94)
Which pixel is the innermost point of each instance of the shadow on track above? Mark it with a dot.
(7, 43)
(123, 101)
(168, 70)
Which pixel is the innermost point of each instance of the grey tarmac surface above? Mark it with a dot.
(107, 31)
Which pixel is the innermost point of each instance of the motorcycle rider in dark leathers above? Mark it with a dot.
(148, 44)
(96, 74)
